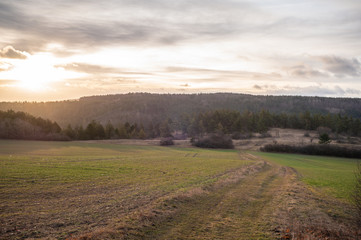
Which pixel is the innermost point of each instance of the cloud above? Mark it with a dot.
(221, 75)
(11, 52)
(102, 83)
(303, 71)
(98, 69)
(342, 66)
(313, 90)
(87, 68)
(156, 22)
(88, 27)
(258, 87)
(223, 44)
(4, 66)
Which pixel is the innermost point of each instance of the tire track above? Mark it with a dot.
(236, 211)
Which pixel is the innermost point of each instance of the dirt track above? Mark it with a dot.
(258, 201)
(263, 202)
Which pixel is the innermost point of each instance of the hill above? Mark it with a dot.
(20, 125)
(146, 107)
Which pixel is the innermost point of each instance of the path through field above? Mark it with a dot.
(264, 201)
(95, 191)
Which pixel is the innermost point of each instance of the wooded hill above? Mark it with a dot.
(20, 125)
(145, 108)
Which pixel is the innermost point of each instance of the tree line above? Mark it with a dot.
(234, 122)
(146, 108)
(20, 125)
(95, 130)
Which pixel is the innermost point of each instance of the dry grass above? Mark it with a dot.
(114, 191)
(51, 189)
(306, 214)
(98, 234)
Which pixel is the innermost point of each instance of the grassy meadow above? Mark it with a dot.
(330, 175)
(61, 190)
(69, 184)
(31, 165)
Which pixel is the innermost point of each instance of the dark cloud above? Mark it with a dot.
(89, 25)
(11, 52)
(123, 22)
(304, 71)
(258, 87)
(35, 31)
(342, 66)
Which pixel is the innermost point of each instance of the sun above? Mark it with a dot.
(37, 73)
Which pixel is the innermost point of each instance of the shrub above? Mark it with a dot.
(214, 141)
(324, 139)
(325, 150)
(166, 141)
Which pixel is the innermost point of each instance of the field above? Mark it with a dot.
(92, 190)
(329, 175)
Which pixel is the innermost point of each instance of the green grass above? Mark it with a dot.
(331, 175)
(24, 163)
(75, 184)
(61, 180)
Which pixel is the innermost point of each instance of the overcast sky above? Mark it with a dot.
(62, 49)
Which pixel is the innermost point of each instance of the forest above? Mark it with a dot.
(20, 125)
(146, 108)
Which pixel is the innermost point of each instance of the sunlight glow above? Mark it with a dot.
(37, 72)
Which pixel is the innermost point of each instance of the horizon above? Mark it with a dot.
(66, 50)
(200, 93)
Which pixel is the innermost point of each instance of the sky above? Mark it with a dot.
(62, 49)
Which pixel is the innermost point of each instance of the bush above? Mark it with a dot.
(166, 142)
(214, 141)
(325, 150)
(356, 196)
(324, 139)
